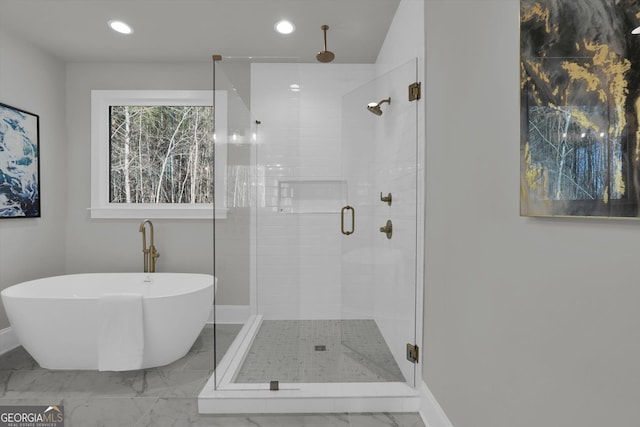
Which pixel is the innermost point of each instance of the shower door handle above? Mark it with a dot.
(353, 220)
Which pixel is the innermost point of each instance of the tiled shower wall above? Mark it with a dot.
(299, 250)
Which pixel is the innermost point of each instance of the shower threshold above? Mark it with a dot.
(230, 397)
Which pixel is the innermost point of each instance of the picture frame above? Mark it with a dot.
(579, 127)
(19, 163)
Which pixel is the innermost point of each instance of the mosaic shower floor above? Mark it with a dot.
(319, 351)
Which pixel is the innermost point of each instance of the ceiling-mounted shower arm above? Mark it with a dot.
(325, 55)
(324, 29)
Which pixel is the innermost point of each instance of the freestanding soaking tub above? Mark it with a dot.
(56, 318)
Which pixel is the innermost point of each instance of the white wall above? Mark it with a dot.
(95, 245)
(528, 322)
(405, 38)
(34, 81)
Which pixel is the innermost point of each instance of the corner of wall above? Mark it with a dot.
(430, 410)
(405, 39)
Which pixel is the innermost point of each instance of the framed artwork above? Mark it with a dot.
(19, 163)
(580, 108)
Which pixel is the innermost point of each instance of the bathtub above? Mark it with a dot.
(56, 318)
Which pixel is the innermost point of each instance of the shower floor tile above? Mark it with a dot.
(319, 351)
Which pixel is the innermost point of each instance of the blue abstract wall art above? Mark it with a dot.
(19, 163)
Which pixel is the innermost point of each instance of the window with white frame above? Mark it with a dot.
(153, 154)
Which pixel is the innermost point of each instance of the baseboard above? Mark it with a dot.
(230, 314)
(8, 340)
(430, 410)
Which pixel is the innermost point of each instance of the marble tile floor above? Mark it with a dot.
(160, 397)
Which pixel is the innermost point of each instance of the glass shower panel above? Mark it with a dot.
(379, 265)
(257, 243)
(233, 256)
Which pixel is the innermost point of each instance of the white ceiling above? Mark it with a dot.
(193, 30)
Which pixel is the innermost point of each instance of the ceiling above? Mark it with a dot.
(193, 30)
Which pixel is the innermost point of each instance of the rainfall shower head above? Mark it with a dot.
(375, 107)
(325, 55)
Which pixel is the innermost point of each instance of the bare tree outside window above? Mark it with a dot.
(161, 154)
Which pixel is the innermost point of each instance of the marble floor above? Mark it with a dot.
(160, 397)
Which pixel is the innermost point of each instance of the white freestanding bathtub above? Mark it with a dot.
(56, 318)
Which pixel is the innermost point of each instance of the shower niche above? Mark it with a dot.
(328, 315)
(311, 196)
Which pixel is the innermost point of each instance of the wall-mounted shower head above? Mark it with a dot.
(325, 55)
(375, 107)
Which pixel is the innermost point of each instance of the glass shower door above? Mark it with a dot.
(379, 245)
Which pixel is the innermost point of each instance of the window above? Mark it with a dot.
(152, 154)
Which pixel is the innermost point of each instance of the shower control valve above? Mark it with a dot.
(387, 229)
(386, 199)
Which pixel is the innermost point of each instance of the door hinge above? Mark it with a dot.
(413, 353)
(415, 91)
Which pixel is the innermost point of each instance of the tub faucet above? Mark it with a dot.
(150, 253)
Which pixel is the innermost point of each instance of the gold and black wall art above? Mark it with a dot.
(580, 108)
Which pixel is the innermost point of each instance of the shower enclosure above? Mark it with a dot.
(318, 249)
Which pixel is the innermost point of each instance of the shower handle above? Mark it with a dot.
(353, 220)
(387, 229)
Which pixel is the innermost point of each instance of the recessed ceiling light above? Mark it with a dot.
(636, 30)
(284, 27)
(120, 27)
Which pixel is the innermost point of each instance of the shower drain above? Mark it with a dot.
(321, 348)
